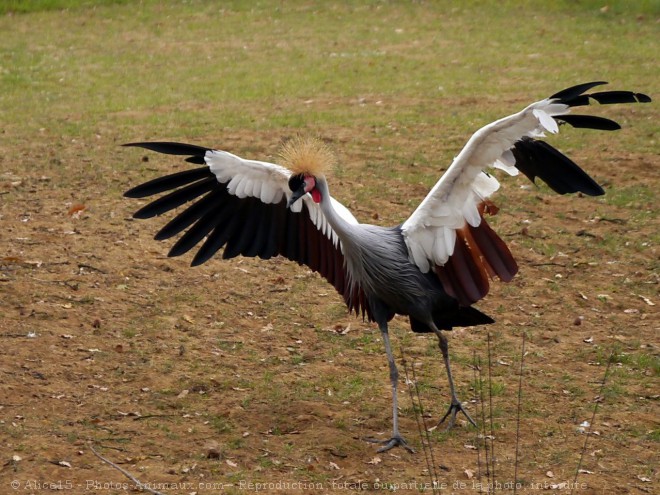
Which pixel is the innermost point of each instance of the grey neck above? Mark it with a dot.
(344, 230)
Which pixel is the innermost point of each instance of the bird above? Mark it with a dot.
(432, 268)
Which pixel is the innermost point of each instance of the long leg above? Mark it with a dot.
(396, 439)
(455, 405)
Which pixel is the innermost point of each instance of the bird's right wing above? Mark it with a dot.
(447, 232)
(240, 205)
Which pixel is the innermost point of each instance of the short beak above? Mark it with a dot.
(296, 196)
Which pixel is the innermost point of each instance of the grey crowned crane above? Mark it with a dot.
(431, 268)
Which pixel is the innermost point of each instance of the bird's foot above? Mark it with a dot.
(454, 408)
(395, 441)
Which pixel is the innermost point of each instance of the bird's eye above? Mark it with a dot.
(296, 182)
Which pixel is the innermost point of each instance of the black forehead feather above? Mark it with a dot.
(296, 182)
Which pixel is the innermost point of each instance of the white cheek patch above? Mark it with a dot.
(310, 183)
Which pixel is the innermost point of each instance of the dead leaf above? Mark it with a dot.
(64, 464)
(76, 210)
(550, 474)
(471, 447)
(375, 460)
(588, 340)
(646, 300)
(334, 465)
(188, 319)
(231, 463)
(339, 329)
(643, 478)
(469, 473)
(183, 394)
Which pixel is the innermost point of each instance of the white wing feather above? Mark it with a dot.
(430, 231)
(269, 183)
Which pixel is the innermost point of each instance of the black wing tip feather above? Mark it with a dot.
(195, 155)
(575, 91)
(574, 96)
(170, 147)
(168, 182)
(536, 158)
(133, 193)
(588, 122)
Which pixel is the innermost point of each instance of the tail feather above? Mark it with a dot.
(462, 316)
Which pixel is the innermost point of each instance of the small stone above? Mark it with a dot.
(213, 450)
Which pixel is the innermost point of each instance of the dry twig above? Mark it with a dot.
(137, 482)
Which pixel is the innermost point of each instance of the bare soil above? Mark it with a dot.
(245, 372)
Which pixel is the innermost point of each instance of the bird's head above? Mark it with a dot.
(300, 185)
(307, 158)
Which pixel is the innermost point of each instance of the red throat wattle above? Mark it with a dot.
(310, 187)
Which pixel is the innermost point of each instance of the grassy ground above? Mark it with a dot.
(251, 371)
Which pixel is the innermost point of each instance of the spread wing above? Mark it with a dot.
(240, 205)
(447, 233)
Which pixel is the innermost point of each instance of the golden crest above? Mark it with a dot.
(306, 155)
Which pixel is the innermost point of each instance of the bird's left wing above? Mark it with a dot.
(447, 232)
(241, 205)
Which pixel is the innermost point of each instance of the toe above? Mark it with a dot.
(395, 441)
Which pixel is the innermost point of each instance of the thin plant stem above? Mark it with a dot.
(421, 425)
(490, 406)
(597, 401)
(520, 381)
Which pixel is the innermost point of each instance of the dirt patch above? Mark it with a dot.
(246, 371)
